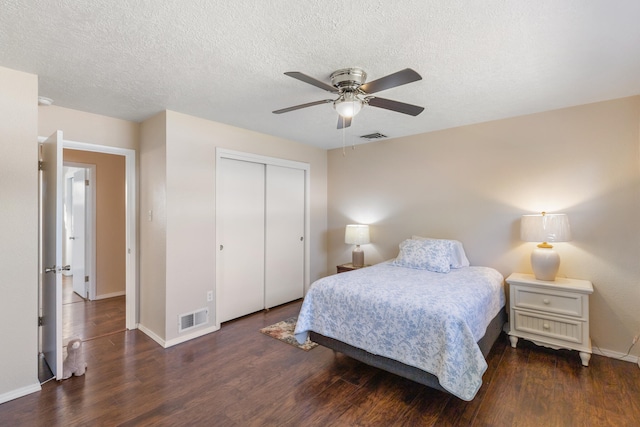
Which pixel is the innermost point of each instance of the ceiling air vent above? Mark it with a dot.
(376, 135)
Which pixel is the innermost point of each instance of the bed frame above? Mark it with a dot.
(491, 335)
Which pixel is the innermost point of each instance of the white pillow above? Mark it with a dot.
(428, 254)
(458, 258)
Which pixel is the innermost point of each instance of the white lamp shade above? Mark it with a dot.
(348, 105)
(356, 234)
(545, 228)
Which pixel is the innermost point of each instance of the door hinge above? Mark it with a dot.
(40, 165)
(86, 182)
(86, 278)
(40, 321)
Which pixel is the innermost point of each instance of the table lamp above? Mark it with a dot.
(545, 228)
(356, 234)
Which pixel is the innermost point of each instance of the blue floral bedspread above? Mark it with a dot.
(428, 320)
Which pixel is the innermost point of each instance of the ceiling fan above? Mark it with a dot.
(353, 93)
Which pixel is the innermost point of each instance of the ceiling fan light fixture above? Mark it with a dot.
(348, 105)
(354, 93)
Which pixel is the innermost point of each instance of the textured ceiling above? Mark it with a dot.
(224, 60)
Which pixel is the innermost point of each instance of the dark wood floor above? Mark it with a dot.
(240, 377)
(88, 320)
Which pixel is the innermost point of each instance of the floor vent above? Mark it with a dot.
(376, 135)
(191, 320)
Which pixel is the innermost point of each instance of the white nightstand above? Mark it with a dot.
(552, 314)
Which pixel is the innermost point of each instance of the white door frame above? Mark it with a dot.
(131, 286)
(90, 225)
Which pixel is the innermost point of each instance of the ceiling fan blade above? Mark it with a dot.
(400, 107)
(297, 107)
(392, 80)
(310, 80)
(344, 122)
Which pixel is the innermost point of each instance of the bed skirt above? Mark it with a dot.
(486, 342)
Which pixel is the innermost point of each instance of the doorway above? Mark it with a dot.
(93, 289)
(131, 245)
(51, 253)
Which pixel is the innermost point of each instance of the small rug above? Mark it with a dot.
(283, 331)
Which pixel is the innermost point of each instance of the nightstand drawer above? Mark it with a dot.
(568, 304)
(560, 329)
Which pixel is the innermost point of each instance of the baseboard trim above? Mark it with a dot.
(191, 336)
(20, 392)
(615, 355)
(148, 332)
(111, 295)
(179, 340)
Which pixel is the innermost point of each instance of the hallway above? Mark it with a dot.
(88, 320)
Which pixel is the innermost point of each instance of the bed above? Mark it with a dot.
(426, 315)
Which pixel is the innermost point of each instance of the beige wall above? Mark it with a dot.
(473, 183)
(153, 229)
(19, 231)
(110, 219)
(190, 204)
(89, 128)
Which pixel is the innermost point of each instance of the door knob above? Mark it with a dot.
(53, 269)
(72, 238)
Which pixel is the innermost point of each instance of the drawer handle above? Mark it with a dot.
(546, 301)
(545, 326)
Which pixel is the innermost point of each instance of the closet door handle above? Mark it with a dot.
(301, 238)
(221, 247)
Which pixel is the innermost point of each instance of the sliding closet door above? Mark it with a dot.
(284, 268)
(240, 227)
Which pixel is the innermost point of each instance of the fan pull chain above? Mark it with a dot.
(344, 153)
(344, 143)
(353, 143)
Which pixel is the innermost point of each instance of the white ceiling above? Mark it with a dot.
(224, 60)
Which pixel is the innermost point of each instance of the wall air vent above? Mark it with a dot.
(376, 135)
(191, 320)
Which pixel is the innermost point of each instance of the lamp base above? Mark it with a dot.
(545, 263)
(357, 257)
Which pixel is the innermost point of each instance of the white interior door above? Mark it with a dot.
(51, 211)
(77, 238)
(284, 262)
(67, 245)
(240, 237)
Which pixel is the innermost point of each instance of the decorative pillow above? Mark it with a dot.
(428, 254)
(458, 258)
